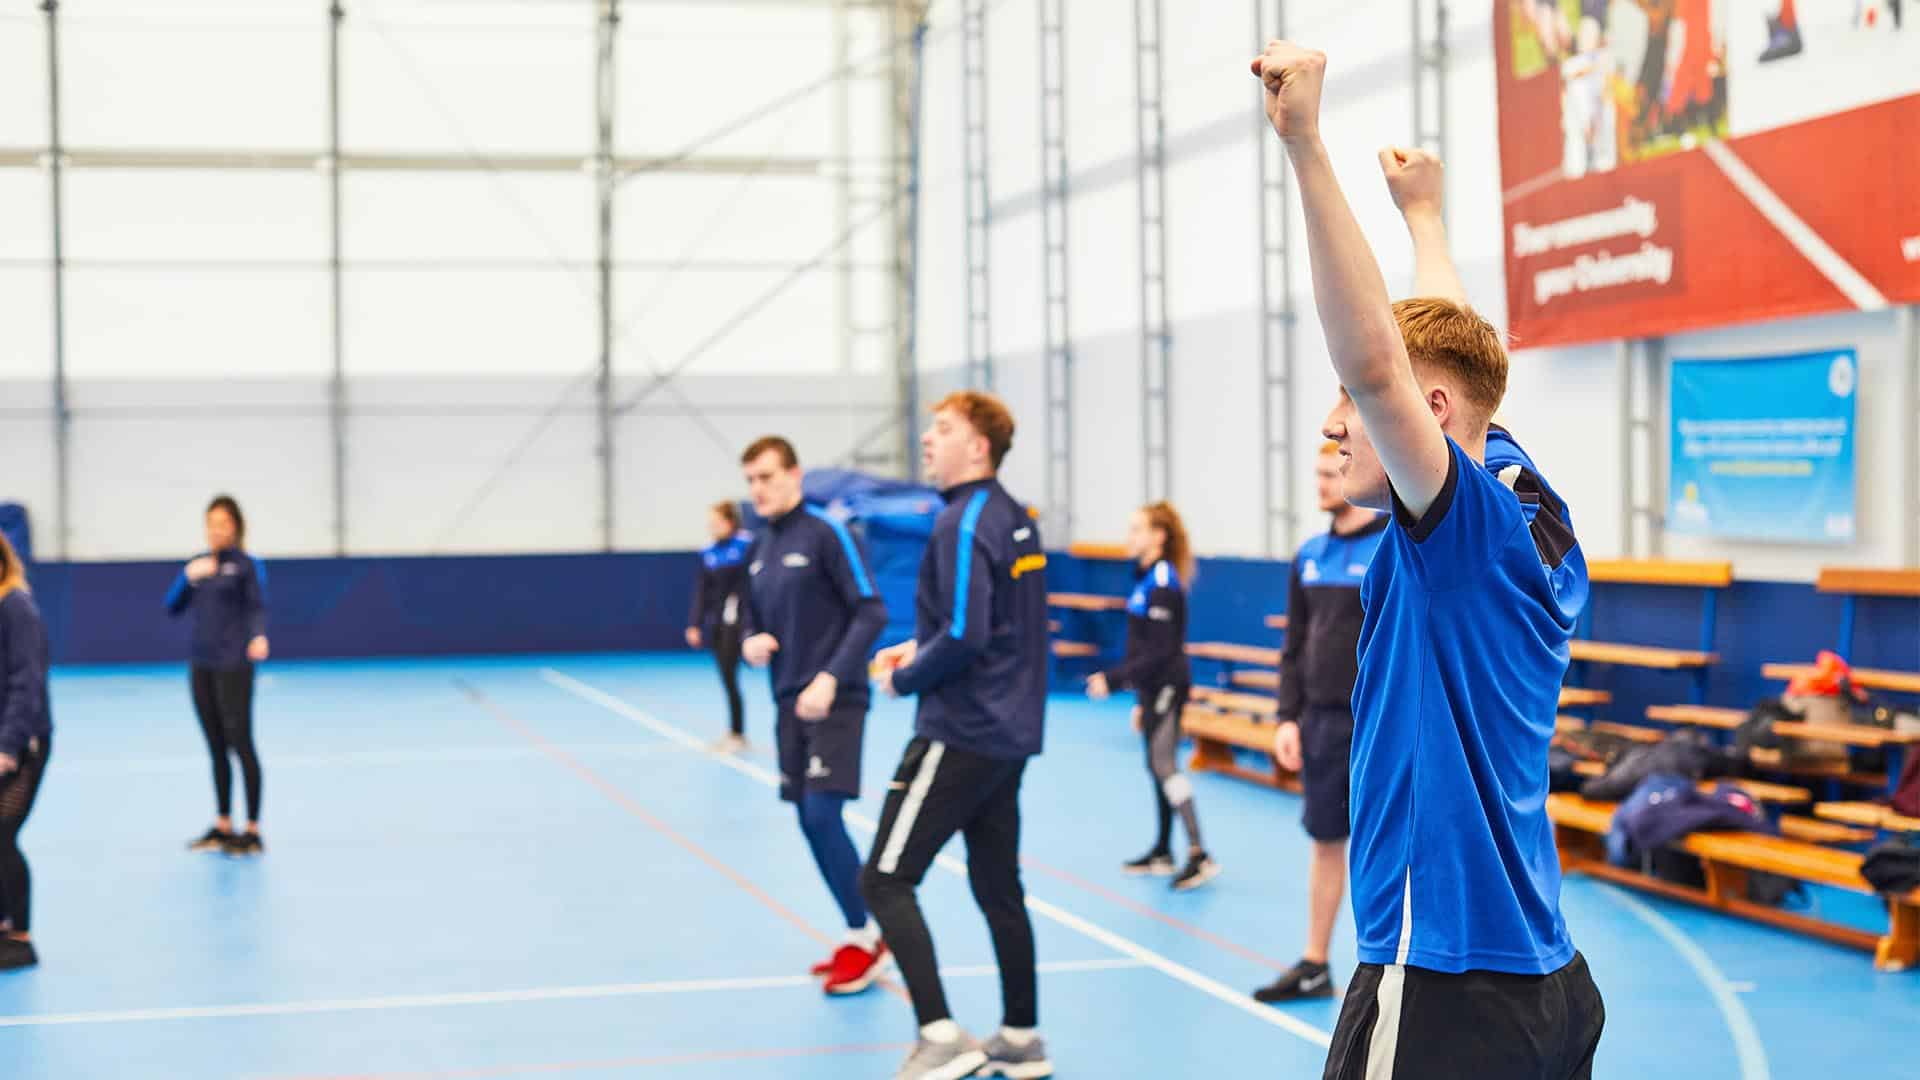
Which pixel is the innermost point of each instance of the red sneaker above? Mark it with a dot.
(854, 969)
(824, 967)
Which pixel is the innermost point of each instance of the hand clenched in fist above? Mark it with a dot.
(1293, 77)
(1415, 178)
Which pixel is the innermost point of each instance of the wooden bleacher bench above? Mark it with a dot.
(1633, 732)
(1646, 656)
(1578, 697)
(1869, 815)
(1088, 549)
(1707, 716)
(1705, 575)
(1815, 831)
(1258, 705)
(1086, 602)
(1075, 649)
(1217, 736)
(1763, 791)
(1256, 655)
(1259, 680)
(1904, 682)
(1276, 622)
(1728, 857)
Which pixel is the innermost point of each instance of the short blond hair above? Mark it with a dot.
(1446, 338)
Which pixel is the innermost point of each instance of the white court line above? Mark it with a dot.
(1746, 1038)
(1811, 246)
(198, 762)
(501, 997)
(1146, 957)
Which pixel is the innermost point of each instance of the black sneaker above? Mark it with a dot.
(1302, 981)
(1154, 863)
(15, 954)
(1200, 870)
(215, 839)
(245, 844)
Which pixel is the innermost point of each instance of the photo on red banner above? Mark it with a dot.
(1670, 165)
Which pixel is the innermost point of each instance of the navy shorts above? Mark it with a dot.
(820, 755)
(1326, 747)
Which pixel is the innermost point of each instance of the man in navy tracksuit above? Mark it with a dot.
(978, 663)
(812, 615)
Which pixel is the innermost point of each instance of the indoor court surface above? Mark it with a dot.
(527, 867)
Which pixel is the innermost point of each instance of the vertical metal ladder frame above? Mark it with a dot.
(1058, 339)
(1156, 343)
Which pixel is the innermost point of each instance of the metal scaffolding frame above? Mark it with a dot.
(1156, 341)
(1277, 314)
(909, 32)
(1058, 340)
(894, 180)
(62, 410)
(1430, 80)
(973, 119)
(606, 184)
(1643, 446)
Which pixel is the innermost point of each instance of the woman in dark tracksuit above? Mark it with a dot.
(1155, 666)
(718, 594)
(26, 738)
(227, 592)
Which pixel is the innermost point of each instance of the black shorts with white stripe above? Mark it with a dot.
(1402, 1022)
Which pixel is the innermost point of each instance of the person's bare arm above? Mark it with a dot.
(1348, 290)
(1418, 183)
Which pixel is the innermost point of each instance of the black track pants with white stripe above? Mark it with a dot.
(940, 790)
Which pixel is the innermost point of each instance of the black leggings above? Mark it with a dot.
(726, 656)
(224, 700)
(17, 791)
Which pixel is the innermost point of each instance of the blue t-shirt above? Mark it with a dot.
(1468, 616)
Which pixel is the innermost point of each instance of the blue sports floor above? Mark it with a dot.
(526, 868)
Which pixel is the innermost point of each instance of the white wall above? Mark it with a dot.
(1564, 404)
(198, 304)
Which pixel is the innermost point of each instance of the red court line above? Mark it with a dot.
(708, 1057)
(620, 799)
(1138, 908)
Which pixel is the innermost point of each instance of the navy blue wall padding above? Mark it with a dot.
(13, 523)
(111, 612)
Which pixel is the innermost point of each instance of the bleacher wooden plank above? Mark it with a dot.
(1816, 831)
(1905, 682)
(1708, 716)
(1234, 654)
(1086, 602)
(1868, 581)
(1216, 735)
(1259, 680)
(1646, 656)
(1276, 622)
(1762, 790)
(1711, 575)
(1849, 734)
(1071, 649)
(1871, 815)
(1088, 549)
(1229, 701)
(1628, 731)
(1579, 697)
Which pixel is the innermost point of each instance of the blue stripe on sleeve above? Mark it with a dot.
(853, 553)
(964, 555)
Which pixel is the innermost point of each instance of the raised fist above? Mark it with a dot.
(1293, 77)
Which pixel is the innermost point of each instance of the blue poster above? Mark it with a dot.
(1762, 448)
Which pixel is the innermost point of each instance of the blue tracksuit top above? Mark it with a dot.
(229, 609)
(25, 713)
(808, 586)
(981, 621)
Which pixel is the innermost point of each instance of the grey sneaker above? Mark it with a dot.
(1027, 1062)
(943, 1060)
